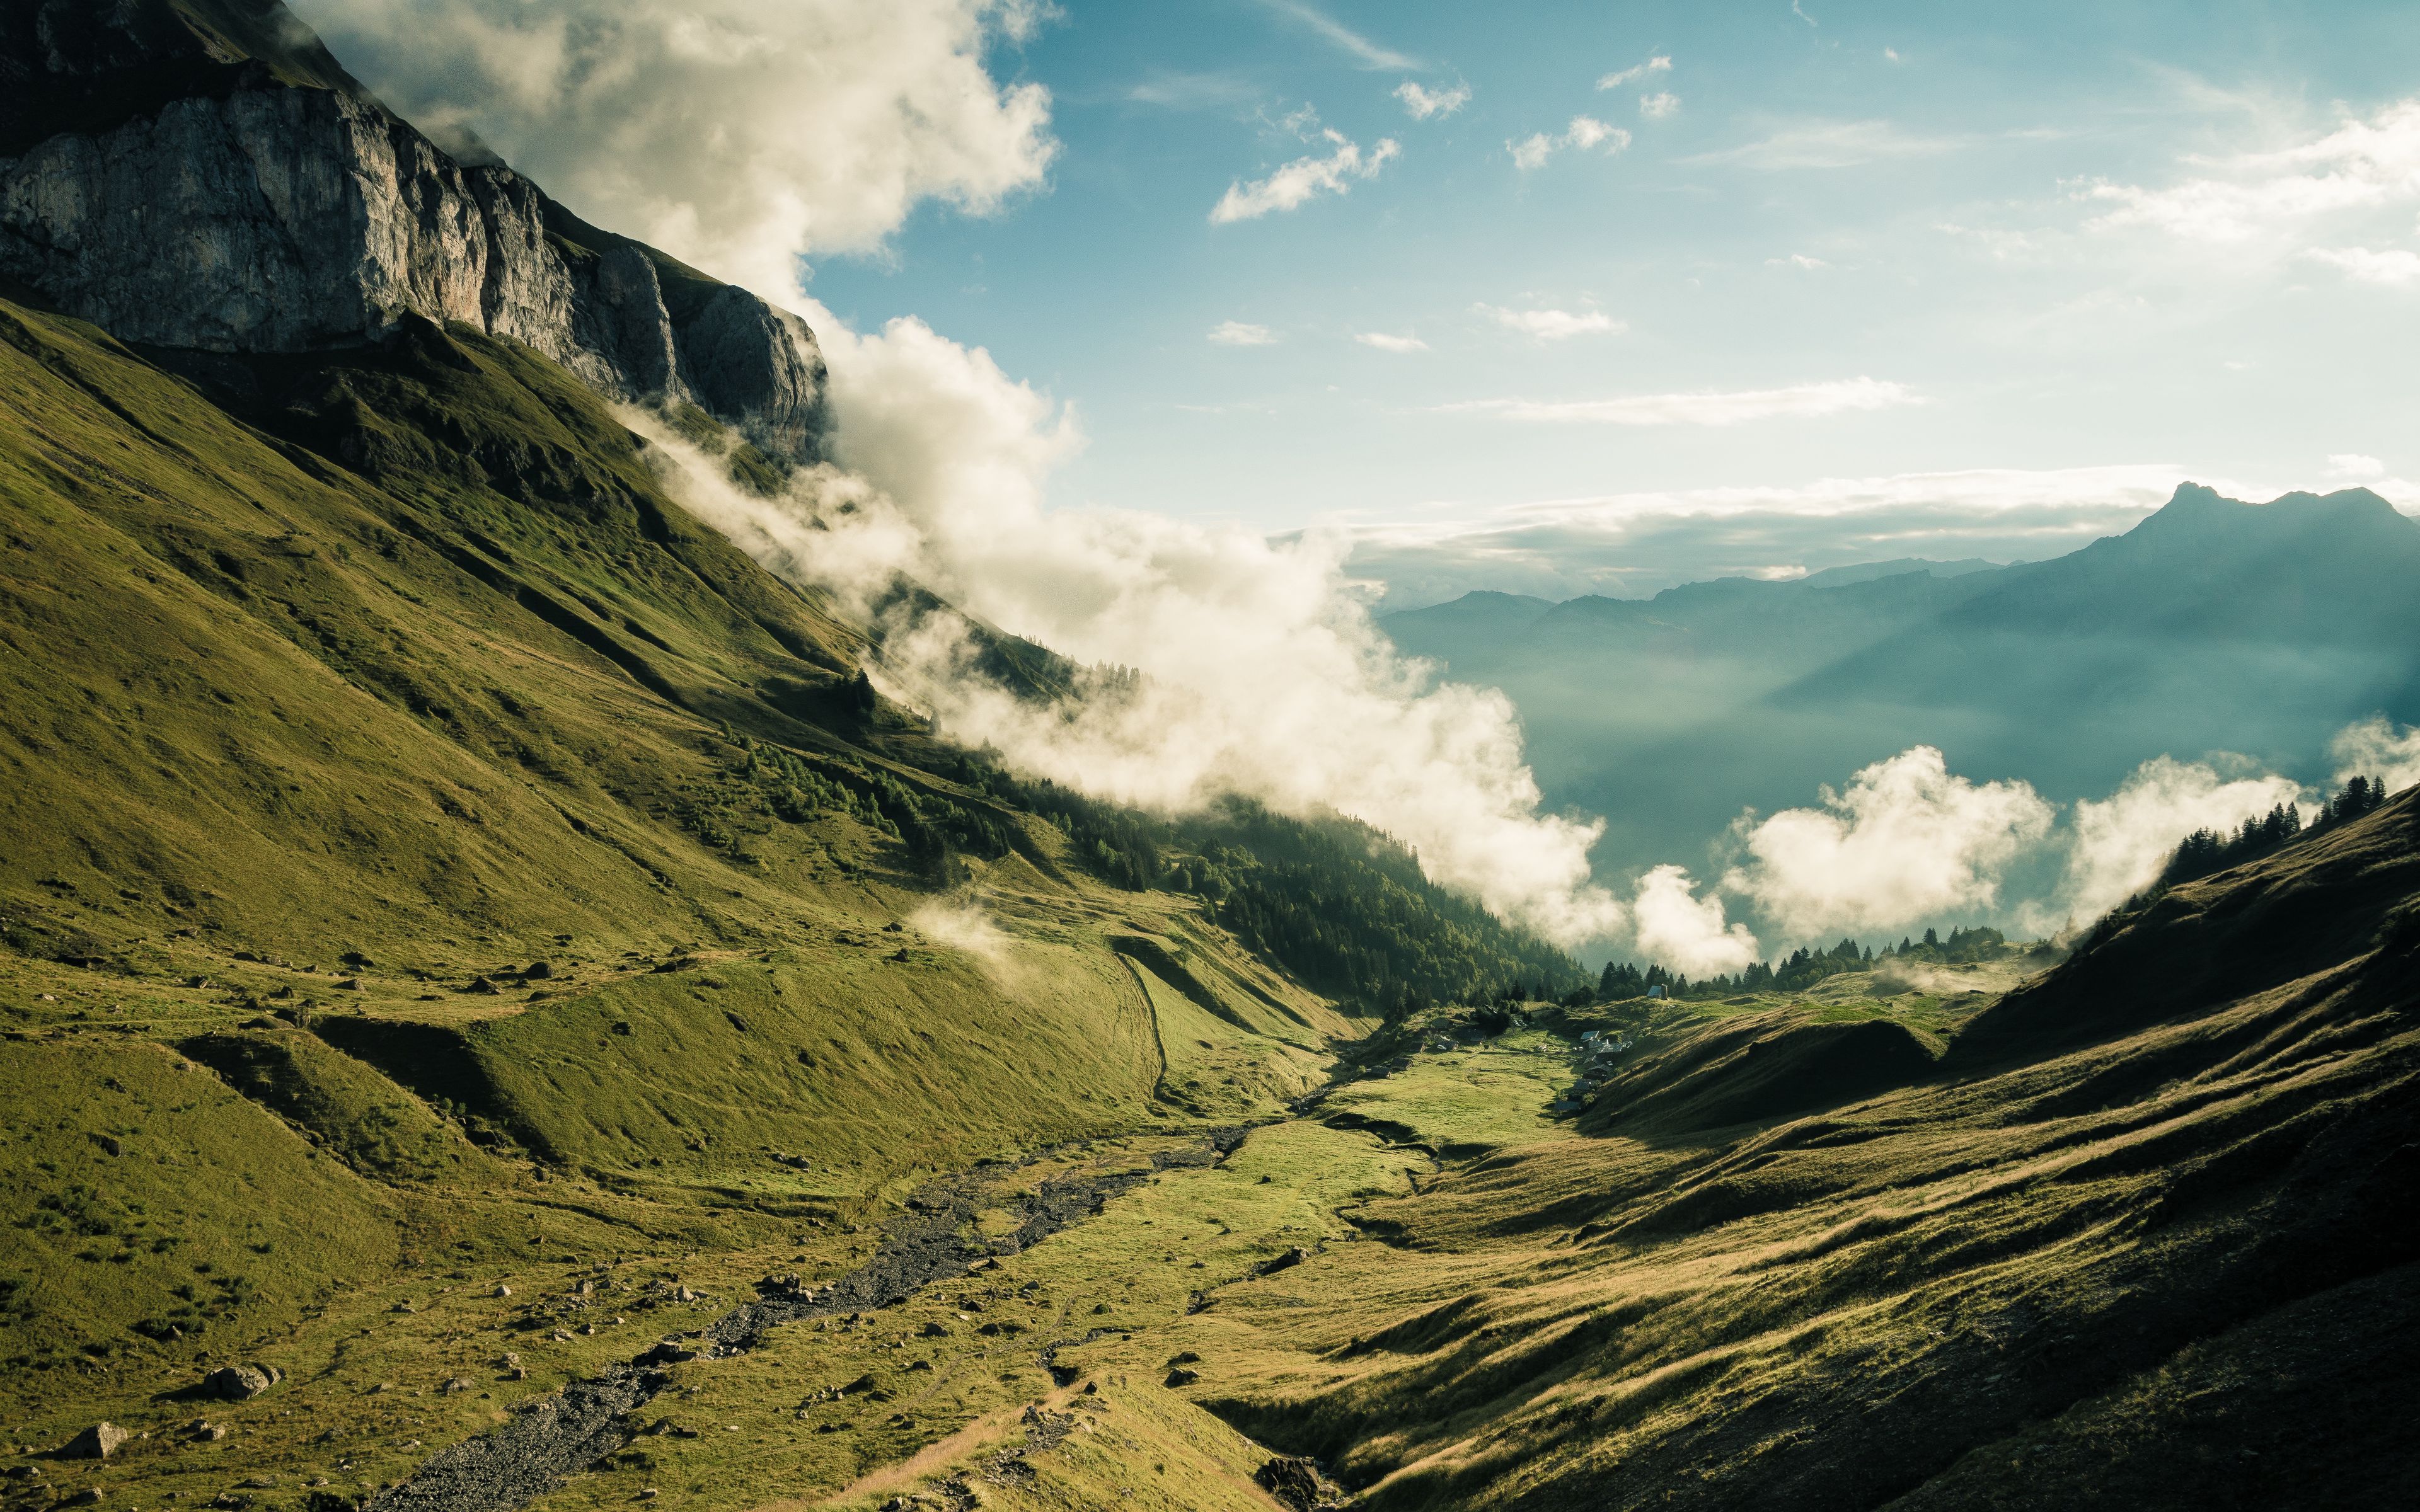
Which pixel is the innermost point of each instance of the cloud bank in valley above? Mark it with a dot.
(1906, 840)
(1260, 675)
(745, 135)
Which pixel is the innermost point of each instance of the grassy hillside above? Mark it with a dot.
(430, 859)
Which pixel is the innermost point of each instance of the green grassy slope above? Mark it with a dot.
(429, 859)
(1757, 1270)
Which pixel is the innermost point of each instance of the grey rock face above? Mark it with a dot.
(261, 215)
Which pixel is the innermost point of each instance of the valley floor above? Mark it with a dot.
(1782, 1254)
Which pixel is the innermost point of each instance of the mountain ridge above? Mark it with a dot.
(2256, 630)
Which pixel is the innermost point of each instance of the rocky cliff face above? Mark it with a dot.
(220, 185)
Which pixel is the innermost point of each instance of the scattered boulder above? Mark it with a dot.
(539, 970)
(456, 1384)
(1291, 1481)
(206, 1432)
(89, 1496)
(503, 1291)
(1286, 1261)
(667, 1354)
(239, 1382)
(1182, 1376)
(95, 1442)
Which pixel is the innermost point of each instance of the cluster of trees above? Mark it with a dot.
(1345, 909)
(774, 780)
(2207, 852)
(1802, 968)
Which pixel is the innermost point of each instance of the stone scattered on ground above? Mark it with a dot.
(95, 1442)
(239, 1382)
(1291, 1481)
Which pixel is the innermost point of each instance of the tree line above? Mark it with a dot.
(2207, 852)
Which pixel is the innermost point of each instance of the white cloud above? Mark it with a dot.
(2378, 748)
(1801, 14)
(1906, 843)
(1658, 64)
(1304, 179)
(1829, 145)
(1804, 400)
(1798, 259)
(1385, 343)
(1241, 333)
(2119, 844)
(1659, 106)
(2354, 466)
(1261, 673)
(1675, 929)
(2261, 195)
(1890, 55)
(2392, 269)
(1553, 325)
(735, 134)
(1585, 132)
(1421, 104)
(1367, 54)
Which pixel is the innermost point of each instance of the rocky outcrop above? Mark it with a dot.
(203, 199)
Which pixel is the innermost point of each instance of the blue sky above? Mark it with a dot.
(1961, 207)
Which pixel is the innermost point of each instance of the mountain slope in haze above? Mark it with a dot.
(202, 177)
(2214, 625)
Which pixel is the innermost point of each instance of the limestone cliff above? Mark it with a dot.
(200, 175)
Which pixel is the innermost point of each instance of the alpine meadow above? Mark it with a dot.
(696, 698)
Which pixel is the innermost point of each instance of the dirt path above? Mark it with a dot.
(557, 1437)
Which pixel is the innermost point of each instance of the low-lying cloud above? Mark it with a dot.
(1906, 841)
(2378, 748)
(1260, 675)
(1674, 927)
(2119, 843)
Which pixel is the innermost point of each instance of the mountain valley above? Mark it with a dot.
(500, 1011)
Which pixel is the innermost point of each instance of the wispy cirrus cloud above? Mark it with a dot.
(1829, 145)
(1305, 179)
(1659, 64)
(1585, 133)
(1386, 342)
(1553, 325)
(1705, 408)
(2392, 269)
(1241, 333)
(1362, 50)
(2361, 164)
(1422, 104)
(1659, 106)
